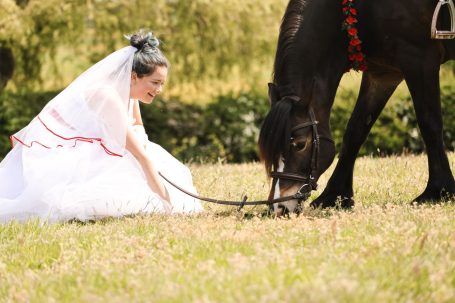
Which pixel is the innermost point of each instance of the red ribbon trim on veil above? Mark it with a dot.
(76, 139)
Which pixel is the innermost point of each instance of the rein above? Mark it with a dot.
(297, 196)
(309, 182)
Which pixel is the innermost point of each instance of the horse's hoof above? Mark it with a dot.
(346, 203)
(337, 202)
(435, 196)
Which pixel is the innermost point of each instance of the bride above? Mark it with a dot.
(87, 156)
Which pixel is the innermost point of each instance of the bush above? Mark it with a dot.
(387, 136)
(16, 111)
(396, 129)
(228, 127)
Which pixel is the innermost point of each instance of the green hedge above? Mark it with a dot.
(16, 111)
(396, 129)
(228, 127)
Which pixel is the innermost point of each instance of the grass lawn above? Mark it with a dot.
(384, 250)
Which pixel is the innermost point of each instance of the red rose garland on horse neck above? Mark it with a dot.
(355, 54)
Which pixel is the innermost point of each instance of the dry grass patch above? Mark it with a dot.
(385, 250)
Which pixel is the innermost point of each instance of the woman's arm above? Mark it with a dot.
(138, 125)
(137, 114)
(134, 146)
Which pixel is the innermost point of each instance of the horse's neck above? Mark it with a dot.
(315, 35)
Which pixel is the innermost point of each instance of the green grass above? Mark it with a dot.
(384, 250)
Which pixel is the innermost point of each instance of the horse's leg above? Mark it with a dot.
(422, 79)
(375, 91)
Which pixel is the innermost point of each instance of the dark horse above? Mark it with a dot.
(310, 60)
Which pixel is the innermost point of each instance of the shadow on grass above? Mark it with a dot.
(101, 221)
(266, 213)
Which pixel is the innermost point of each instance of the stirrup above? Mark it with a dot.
(437, 34)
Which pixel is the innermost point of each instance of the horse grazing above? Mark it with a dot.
(312, 55)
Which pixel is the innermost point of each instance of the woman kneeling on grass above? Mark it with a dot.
(87, 156)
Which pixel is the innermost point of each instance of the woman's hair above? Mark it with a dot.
(148, 56)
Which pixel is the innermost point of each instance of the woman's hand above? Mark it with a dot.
(135, 147)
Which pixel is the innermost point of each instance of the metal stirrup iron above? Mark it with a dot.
(443, 34)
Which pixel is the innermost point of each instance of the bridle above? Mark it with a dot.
(308, 179)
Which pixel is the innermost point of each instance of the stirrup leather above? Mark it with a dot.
(437, 34)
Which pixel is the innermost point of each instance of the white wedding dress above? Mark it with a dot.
(83, 182)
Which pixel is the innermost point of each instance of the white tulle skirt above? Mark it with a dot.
(85, 183)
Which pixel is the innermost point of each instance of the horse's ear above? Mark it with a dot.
(273, 93)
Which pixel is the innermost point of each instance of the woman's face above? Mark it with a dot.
(146, 88)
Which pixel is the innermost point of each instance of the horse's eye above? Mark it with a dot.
(300, 145)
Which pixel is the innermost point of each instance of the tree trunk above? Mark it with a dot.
(6, 66)
(22, 3)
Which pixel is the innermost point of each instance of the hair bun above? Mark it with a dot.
(142, 39)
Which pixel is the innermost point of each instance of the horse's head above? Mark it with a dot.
(290, 146)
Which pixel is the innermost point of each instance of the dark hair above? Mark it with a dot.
(148, 56)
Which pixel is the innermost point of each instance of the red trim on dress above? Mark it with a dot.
(76, 139)
(26, 145)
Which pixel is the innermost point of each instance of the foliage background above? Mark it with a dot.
(221, 54)
(207, 42)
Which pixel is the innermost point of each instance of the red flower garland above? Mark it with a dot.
(355, 54)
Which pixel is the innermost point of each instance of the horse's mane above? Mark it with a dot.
(275, 132)
(290, 25)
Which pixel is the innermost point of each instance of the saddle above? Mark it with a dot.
(443, 34)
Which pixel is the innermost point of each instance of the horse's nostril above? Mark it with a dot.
(282, 210)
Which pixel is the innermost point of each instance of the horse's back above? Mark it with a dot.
(390, 26)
